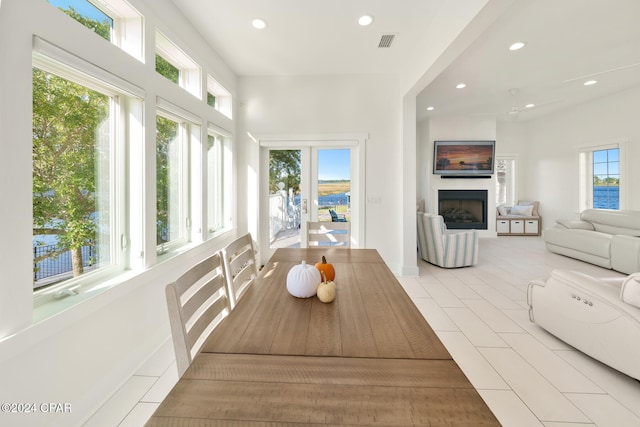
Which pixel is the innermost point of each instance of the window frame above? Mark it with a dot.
(586, 176)
(188, 132)
(223, 181)
(224, 100)
(53, 60)
(190, 71)
(511, 192)
(127, 32)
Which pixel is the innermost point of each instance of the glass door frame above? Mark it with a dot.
(310, 144)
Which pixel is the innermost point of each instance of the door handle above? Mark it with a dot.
(304, 206)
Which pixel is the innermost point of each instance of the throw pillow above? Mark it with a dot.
(630, 292)
(521, 210)
(533, 203)
(502, 210)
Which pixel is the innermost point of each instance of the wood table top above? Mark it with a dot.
(259, 390)
(372, 316)
(367, 359)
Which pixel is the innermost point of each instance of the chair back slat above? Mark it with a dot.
(208, 289)
(240, 266)
(329, 234)
(197, 302)
(208, 320)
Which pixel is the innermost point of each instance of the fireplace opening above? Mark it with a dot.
(463, 209)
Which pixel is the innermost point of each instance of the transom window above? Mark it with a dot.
(114, 20)
(218, 97)
(171, 59)
(88, 15)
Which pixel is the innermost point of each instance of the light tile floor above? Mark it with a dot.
(526, 376)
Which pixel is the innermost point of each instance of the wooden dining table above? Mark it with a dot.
(367, 358)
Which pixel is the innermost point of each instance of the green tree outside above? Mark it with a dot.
(66, 120)
(284, 166)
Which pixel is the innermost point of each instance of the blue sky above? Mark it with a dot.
(334, 164)
(83, 7)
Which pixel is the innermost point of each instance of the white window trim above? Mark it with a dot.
(224, 100)
(186, 130)
(71, 67)
(225, 166)
(190, 72)
(128, 26)
(514, 184)
(86, 74)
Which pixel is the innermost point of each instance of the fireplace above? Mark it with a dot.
(463, 209)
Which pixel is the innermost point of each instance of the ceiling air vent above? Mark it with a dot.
(386, 40)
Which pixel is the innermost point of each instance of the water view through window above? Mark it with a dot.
(333, 192)
(606, 179)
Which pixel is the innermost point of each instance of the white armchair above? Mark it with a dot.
(445, 248)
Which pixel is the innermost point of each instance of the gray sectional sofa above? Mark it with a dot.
(610, 239)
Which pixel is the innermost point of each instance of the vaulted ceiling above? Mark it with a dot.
(567, 43)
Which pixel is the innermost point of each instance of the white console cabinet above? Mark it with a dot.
(518, 226)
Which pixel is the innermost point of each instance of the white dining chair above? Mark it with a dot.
(197, 303)
(240, 266)
(329, 234)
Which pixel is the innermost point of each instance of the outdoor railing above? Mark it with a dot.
(51, 265)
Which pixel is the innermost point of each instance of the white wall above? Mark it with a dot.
(330, 105)
(85, 352)
(550, 146)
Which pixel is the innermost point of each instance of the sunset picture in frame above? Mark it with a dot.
(464, 158)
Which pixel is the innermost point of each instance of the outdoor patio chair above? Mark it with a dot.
(337, 217)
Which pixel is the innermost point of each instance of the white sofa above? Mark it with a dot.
(600, 317)
(609, 239)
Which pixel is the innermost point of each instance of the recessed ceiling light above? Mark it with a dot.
(590, 82)
(429, 108)
(461, 86)
(517, 46)
(365, 20)
(258, 23)
(529, 105)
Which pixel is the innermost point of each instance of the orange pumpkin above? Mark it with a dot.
(327, 268)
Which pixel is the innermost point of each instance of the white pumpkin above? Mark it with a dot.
(302, 280)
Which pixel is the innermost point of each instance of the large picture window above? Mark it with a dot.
(602, 177)
(170, 181)
(218, 182)
(606, 179)
(73, 141)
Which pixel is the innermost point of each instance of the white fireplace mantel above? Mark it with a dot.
(488, 184)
